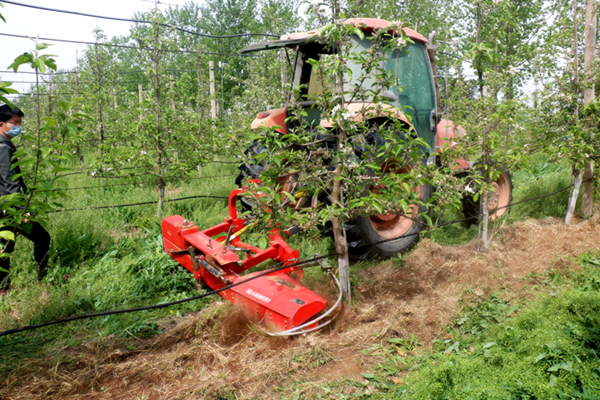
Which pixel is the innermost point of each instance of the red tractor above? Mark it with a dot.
(415, 68)
(218, 257)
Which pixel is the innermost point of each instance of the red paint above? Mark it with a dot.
(365, 24)
(271, 118)
(446, 133)
(373, 24)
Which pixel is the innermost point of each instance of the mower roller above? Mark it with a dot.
(276, 299)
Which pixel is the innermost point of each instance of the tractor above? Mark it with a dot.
(417, 106)
(219, 258)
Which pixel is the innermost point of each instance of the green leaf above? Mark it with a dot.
(325, 29)
(24, 58)
(368, 375)
(567, 366)
(378, 208)
(4, 87)
(40, 64)
(42, 46)
(49, 62)
(262, 243)
(540, 357)
(359, 33)
(289, 196)
(7, 235)
(428, 219)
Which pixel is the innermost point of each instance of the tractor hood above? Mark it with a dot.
(365, 24)
(358, 111)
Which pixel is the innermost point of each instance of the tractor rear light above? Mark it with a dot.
(262, 115)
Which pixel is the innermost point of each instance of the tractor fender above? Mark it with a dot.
(271, 118)
(360, 112)
(446, 132)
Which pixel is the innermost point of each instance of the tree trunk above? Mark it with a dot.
(160, 133)
(199, 98)
(80, 156)
(213, 100)
(100, 136)
(339, 233)
(478, 41)
(576, 171)
(161, 196)
(341, 245)
(574, 195)
(284, 67)
(172, 91)
(99, 106)
(485, 213)
(588, 97)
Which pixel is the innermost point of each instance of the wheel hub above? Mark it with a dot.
(500, 197)
(392, 225)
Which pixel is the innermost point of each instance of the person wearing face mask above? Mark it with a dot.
(10, 128)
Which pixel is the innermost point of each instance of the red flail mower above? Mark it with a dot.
(276, 299)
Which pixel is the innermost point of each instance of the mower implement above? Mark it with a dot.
(276, 299)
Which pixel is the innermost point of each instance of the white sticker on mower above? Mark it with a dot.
(258, 295)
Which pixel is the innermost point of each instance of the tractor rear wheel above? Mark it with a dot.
(499, 201)
(385, 235)
(381, 235)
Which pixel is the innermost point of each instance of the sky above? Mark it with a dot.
(27, 21)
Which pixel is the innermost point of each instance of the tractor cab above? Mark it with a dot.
(414, 101)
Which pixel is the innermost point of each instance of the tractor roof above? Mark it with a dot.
(365, 24)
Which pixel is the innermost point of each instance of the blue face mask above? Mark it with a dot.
(14, 131)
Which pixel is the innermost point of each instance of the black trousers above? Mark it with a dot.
(41, 245)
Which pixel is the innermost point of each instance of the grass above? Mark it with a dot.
(113, 258)
(547, 347)
(106, 259)
(539, 178)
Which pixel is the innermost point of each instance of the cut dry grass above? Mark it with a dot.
(218, 354)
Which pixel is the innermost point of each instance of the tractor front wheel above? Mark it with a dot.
(498, 203)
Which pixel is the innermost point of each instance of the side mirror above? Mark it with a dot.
(388, 94)
(433, 121)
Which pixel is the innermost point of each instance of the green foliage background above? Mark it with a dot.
(93, 124)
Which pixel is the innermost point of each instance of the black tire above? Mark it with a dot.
(472, 208)
(251, 169)
(365, 242)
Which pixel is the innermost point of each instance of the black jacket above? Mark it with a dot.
(7, 172)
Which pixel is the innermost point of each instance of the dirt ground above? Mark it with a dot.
(218, 354)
